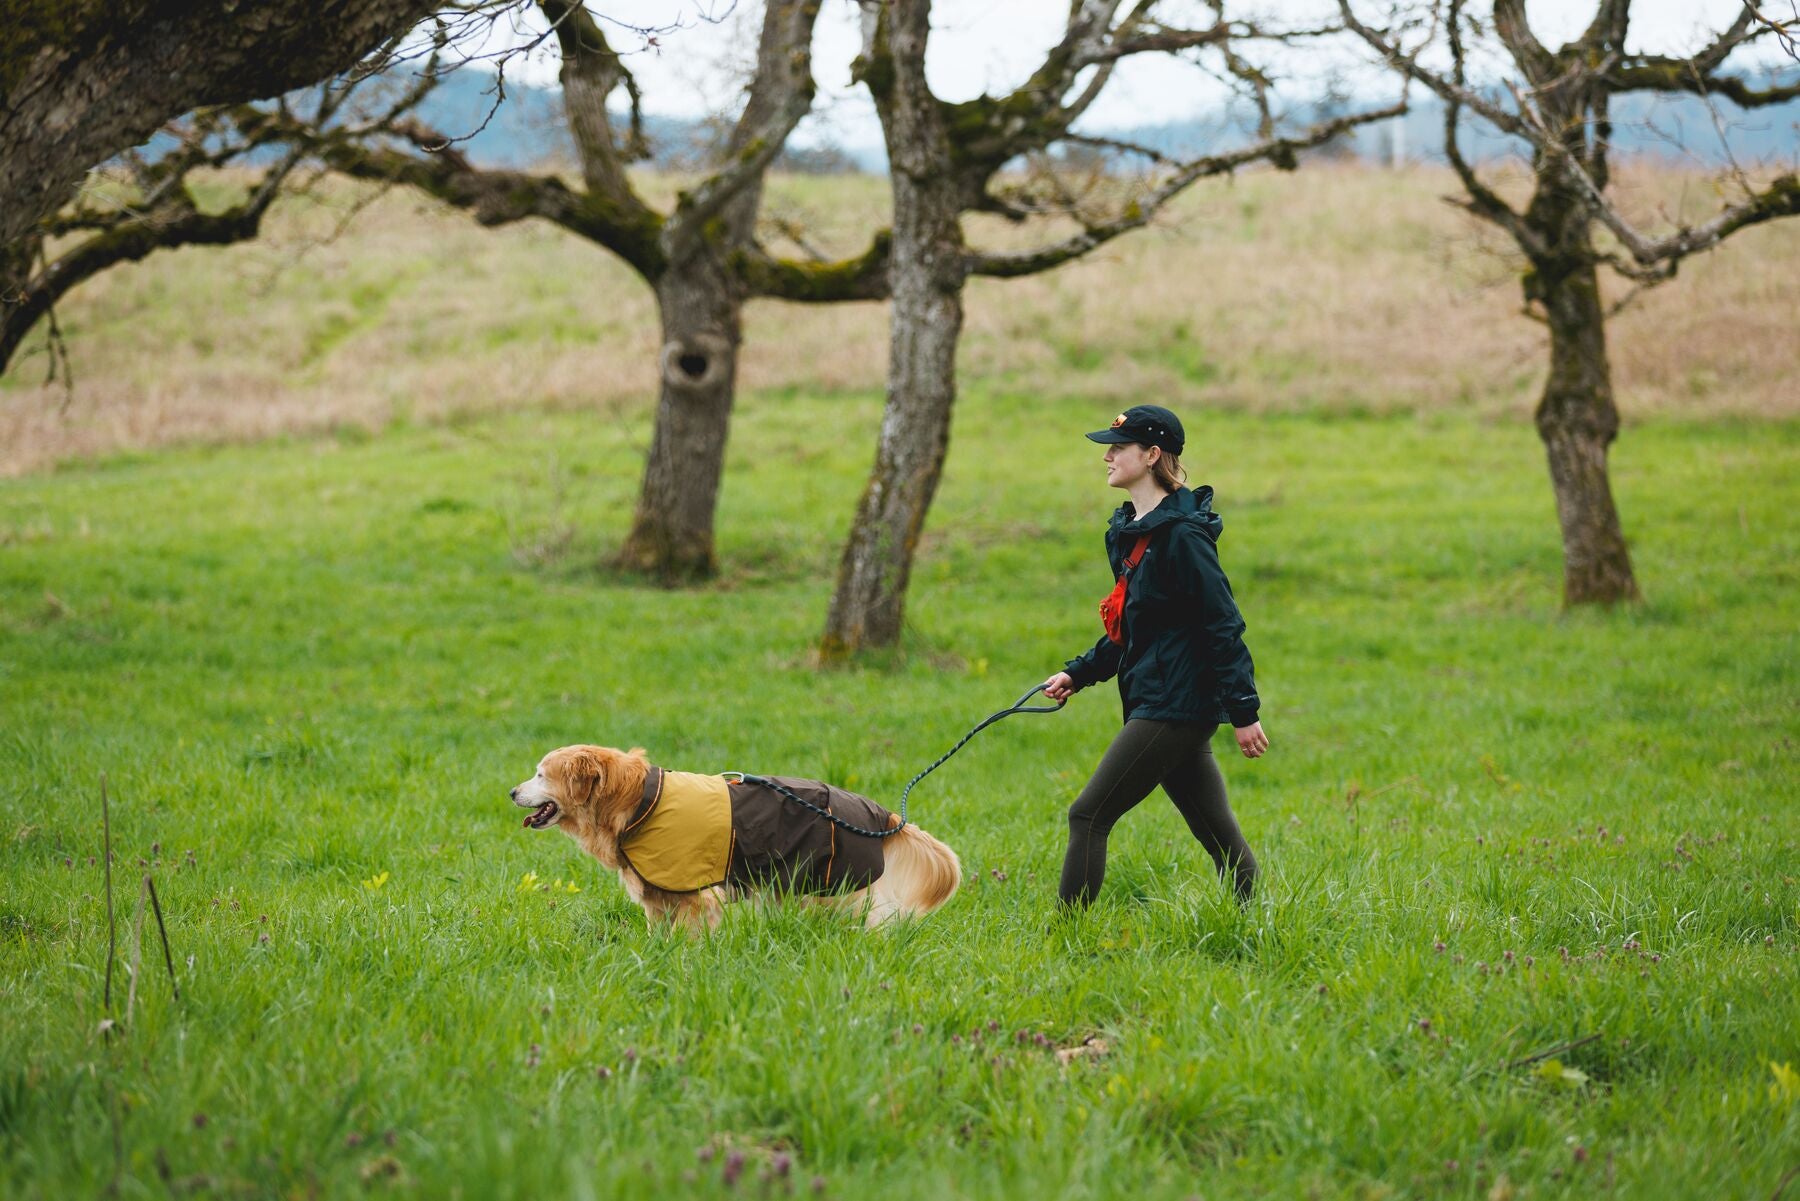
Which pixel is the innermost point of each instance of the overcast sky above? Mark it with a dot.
(992, 45)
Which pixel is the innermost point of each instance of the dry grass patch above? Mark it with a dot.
(1341, 288)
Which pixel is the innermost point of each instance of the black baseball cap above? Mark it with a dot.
(1151, 425)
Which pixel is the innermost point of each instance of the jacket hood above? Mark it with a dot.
(1190, 505)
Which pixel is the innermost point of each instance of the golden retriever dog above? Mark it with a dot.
(684, 845)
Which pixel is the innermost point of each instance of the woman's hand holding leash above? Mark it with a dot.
(1251, 740)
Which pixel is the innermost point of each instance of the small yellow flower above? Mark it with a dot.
(529, 882)
(374, 883)
(1787, 1084)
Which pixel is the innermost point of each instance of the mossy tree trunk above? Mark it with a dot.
(1577, 420)
(699, 292)
(672, 530)
(868, 607)
(927, 269)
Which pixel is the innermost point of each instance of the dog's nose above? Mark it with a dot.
(514, 794)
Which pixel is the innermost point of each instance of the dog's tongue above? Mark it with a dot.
(537, 817)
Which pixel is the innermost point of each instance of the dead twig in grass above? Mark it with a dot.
(1580, 1042)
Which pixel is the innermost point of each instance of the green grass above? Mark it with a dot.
(314, 662)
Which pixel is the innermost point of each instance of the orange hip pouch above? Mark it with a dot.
(1112, 609)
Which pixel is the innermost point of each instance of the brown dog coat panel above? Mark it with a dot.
(783, 844)
(691, 832)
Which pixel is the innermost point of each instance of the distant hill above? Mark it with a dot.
(1678, 129)
(526, 129)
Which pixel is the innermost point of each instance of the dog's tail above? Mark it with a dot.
(919, 873)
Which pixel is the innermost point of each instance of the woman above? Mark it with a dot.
(1179, 655)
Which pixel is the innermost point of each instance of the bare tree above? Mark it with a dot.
(703, 258)
(1560, 106)
(946, 160)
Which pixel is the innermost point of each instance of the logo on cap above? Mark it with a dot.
(1118, 421)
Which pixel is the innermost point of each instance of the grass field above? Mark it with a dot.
(312, 668)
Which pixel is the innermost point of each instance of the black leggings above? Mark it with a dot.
(1177, 755)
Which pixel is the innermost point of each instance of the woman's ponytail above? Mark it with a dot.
(1167, 472)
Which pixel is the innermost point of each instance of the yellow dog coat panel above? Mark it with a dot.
(690, 832)
(679, 838)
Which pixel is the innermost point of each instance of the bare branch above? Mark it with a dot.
(1158, 38)
(1780, 199)
(1514, 28)
(1741, 30)
(864, 277)
(1785, 29)
(1654, 73)
(177, 221)
(1407, 64)
(591, 70)
(1137, 148)
(1282, 152)
(1611, 21)
(1482, 201)
(781, 94)
(491, 196)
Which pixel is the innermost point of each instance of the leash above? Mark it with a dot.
(1018, 706)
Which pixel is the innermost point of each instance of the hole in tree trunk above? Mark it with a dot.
(697, 362)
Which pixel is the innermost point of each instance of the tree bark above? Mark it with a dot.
(1577, 420)
(671, 534)
(84, 80)
(927, 269)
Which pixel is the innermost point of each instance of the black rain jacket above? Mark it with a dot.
(1184, 657)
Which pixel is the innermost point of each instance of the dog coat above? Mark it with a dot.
(691, 832)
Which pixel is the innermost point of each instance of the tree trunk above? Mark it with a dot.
(868, 608)
(927, 269)
(672, 531)
(700, 297)
(1578, 420)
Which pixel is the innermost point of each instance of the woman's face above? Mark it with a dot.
(1127, 463)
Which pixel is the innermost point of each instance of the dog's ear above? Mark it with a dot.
(578, 770)
(588, 768)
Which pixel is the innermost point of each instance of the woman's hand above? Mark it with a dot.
(1251, 740)
(1059, 687)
